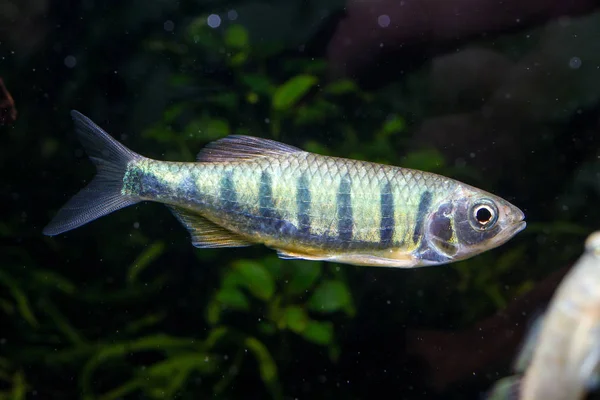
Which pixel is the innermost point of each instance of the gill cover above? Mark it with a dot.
(459, 229)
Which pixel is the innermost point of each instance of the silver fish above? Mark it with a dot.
(561, 356)
(246, 190)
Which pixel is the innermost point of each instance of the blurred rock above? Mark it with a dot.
(8, 111)
(452, 357)
(23, 24)
(374, 28)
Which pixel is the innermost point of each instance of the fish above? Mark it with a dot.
(560, 357)
(244, 190)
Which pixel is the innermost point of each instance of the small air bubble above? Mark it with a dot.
(214, 21)
(232, 15)
(383, 20)
(267, 121)
(575, 63)
(70, 61)
(136, 225)
(169, 26)
(389, 302)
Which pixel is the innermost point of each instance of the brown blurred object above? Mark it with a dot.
(374, 28)
(452, 357)
(23, 24)
(485, 106)
(8, 111)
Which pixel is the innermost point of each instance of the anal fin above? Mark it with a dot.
(290, 255)
(206, 234)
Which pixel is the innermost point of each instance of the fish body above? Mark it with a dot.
(243, 190)
(561, 356)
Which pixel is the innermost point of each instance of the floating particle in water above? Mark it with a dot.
(214, 21)
(232, 15)
(70, 61)
(169, 26)
(383, 20)
(575, 62)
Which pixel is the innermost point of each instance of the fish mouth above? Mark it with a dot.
(519, 227)
(517, 224)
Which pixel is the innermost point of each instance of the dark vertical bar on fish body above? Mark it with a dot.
(424, 205)
(344, 209)
(227, 191)
(303, 200)
(387, 224)
(265, 196)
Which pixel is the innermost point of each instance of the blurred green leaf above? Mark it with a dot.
(315, 112)
(139, 324)
(329, 296)
(19, 389)
(319, 332)
(233, 298)
(295, 318)
(303, 278)
(257, 279)
(215, 335)
(273, 264)
(424, 160)
(53, 280)
(170, 375)
(394, 124)
(20, 298)
(62, 324)
(213, 312)
(109, 352)
(146, 258)
(238, 59)
(288, 94)
(266, 364)
(258, 83)
(236, 36)
(341, 87)
(217, 128)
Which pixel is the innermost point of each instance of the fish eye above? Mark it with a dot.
(484, 214)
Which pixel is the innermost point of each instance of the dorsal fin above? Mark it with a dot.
(206, 234)
(240, 147)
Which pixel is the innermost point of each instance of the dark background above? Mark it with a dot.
(501, 95)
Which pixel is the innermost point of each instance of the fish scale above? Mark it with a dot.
(245, 190)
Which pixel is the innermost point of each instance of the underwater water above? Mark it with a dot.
(505, 97)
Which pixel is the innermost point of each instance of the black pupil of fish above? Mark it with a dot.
(483, 215)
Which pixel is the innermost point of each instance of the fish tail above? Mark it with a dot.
(103, 194)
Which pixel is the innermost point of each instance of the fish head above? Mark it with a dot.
(471, 222)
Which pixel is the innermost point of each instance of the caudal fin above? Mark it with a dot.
(103, 194)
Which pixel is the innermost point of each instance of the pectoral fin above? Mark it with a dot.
(206, 234)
